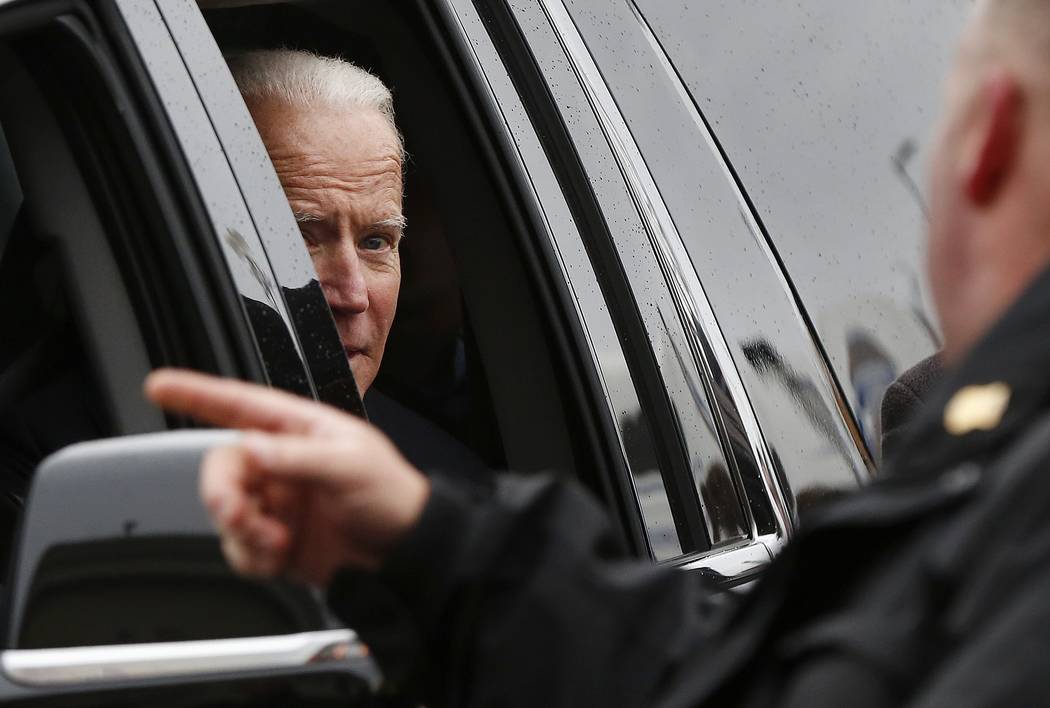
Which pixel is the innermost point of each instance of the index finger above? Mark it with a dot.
(236, 404)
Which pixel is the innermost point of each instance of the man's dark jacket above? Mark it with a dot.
(929, 588)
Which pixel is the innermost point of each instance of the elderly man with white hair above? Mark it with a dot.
(329, 128)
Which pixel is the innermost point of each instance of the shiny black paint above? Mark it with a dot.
(625, 437)
(786, 377)
(824, 110)
(659, 484)
(701, 434)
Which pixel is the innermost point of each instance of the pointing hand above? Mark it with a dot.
(307, 490)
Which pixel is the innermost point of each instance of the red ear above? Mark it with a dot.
(999, 139)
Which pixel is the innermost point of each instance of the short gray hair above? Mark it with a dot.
(304, 79)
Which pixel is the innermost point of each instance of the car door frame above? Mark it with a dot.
(167, 108)
(529, 120)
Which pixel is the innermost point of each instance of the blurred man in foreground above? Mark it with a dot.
(927, 589)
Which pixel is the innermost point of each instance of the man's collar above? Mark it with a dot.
(989, 396)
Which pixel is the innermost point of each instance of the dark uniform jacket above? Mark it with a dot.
(929, 588)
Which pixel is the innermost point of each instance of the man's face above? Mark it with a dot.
(341, 172)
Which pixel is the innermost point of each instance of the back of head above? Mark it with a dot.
(990, 170)
(1026, 12)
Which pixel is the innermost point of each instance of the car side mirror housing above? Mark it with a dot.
(116, 548)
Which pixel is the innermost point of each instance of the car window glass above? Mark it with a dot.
(824, 110)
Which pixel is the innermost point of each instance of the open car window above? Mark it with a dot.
(472, 351)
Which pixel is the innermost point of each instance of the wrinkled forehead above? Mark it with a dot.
(345, 134)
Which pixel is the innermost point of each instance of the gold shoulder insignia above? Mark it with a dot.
(976, 408)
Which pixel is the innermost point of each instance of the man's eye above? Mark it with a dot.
(375, 243)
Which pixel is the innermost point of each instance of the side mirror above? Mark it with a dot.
(118, 575)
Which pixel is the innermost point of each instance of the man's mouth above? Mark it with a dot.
(352, 352)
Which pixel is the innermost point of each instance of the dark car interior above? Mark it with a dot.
(469, 349)
(68, 341)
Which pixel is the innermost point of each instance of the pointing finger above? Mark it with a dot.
(291, 457)
(236, 404)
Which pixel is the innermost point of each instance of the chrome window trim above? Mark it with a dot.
(736, 562)
(670, 250)
(339, 649)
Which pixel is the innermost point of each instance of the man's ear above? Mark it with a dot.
(998, 138)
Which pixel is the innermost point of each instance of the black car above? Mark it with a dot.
(683, 242)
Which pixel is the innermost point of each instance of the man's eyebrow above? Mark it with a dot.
(395, 222)
(303, 217)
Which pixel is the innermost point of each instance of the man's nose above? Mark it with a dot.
(342, 277)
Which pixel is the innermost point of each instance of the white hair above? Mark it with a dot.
(304, 79)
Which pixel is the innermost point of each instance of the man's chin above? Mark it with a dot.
(364, 372)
